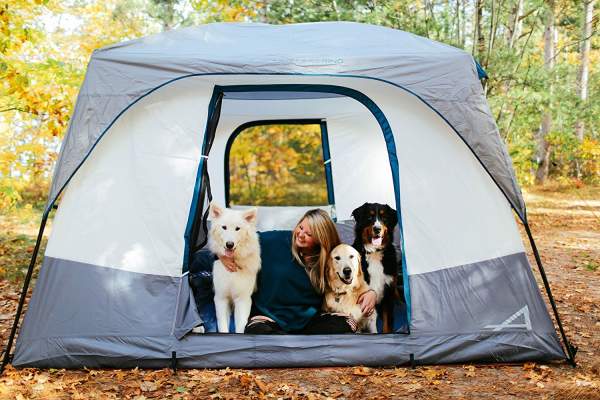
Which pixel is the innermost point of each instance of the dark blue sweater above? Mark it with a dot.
(284, 293)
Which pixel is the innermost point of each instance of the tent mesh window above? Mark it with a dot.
(276, 165)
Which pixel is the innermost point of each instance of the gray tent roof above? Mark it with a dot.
(443, 76)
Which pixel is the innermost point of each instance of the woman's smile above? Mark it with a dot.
(304, 238)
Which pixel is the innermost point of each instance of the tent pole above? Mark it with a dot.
(571, 350)
(7, 357)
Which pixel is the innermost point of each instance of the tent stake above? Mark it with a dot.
(571, 350)
(7, 356)
(413, 364)
(174, 362)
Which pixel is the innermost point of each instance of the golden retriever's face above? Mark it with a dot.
(344, 265)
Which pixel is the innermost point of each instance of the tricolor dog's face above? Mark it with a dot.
(375, 224)
(230, 228)
(343, 266)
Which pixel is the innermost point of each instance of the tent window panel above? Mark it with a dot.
(277, 165)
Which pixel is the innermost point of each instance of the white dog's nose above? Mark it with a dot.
(229, 245)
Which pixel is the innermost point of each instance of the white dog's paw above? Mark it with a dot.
(198, 329)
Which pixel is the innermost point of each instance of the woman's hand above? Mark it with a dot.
(228, 263)
(367, 302)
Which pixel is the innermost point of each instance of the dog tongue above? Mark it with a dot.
(377, 241)
(229, 253)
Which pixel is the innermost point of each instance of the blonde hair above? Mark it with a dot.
(326, 237)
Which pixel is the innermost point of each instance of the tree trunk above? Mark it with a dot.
(543, 150)
(463, 13)
(584, 66)
(515, 24)
(479, 39)
(457, 22)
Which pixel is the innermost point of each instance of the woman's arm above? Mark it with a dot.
(367, 301)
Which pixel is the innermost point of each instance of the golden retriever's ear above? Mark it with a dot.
(359, 261)
(328, 272)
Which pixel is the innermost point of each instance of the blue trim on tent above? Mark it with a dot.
(385, 128)
(522, 215)
(250, 124)
(327, 165)
(197, 185)
(480, 71)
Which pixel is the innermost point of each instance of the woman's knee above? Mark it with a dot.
(328, 323)
(260, 325)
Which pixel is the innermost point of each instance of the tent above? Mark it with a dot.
(404, 122)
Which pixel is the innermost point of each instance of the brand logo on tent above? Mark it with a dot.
(508, 323)
(316, 61)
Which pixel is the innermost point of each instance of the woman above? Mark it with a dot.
(290, 286)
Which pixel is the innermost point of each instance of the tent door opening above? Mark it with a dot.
(197, 227)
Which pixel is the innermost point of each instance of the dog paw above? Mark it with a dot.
(198, 329)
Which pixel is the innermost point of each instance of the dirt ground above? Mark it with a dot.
(566, 225)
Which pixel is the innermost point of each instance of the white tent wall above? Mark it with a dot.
(463, 251)
(127, 207)
(449, 203)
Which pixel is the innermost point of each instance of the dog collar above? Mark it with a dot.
(338, 295)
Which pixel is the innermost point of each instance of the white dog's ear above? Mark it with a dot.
(250, 215)
(215, 211)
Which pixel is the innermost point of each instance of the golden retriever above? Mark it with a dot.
(344, 284)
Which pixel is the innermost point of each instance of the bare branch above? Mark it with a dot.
(17, 109)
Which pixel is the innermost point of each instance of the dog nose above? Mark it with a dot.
(229, 245)
(376, 230)
(347, 271)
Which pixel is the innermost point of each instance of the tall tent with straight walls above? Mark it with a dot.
(404, 122)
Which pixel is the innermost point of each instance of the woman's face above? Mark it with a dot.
(304, 238)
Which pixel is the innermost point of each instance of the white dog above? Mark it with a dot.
(233, 234)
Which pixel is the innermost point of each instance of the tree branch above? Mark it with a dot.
(17, 109)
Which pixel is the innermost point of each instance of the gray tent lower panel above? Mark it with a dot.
(262, 351)
(79, 311)
(85, 315)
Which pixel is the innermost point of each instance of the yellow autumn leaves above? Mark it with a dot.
(278, 165)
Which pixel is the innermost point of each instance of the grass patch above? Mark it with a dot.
(591, 266)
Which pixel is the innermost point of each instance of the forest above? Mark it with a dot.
(541, 58)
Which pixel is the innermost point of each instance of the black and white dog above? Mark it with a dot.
(373, 238)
